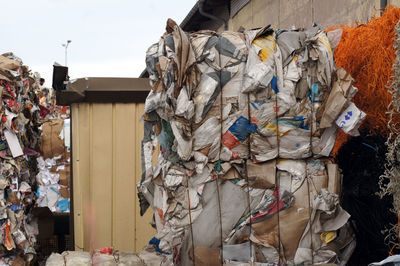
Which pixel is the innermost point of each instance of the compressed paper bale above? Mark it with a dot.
(129, 259)
(77, 258)
(151, 258)
(25, 107)
(278, 119)
(99, 259)
(55, 259)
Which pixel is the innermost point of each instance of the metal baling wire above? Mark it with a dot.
(307, 177)
(190, 211)
(277, 180)
(220, 148)
(309, 220)
(220, 222)
(190, 218)
(247, 179)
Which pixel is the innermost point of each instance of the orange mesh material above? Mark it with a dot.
(366, 52)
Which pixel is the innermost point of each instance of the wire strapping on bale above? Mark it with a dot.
(216, 181)
(277, 180)
(247, 180)
(190, 219)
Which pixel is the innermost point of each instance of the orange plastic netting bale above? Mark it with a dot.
(366, 52)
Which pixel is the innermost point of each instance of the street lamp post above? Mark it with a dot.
(65, 45)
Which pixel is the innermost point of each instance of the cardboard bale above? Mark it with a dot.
(51, 145)
(65, 176)
(237, 121)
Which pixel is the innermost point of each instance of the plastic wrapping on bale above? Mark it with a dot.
(240, 128)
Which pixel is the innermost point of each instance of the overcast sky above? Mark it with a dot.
(109, 38)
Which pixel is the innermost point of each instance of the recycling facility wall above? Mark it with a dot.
(106, 154)
(302, 13)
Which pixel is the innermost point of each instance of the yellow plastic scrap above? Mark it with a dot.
(274, 128)
(267, 45)
(328, 236)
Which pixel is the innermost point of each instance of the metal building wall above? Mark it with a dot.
(106, 154)
(302, 13)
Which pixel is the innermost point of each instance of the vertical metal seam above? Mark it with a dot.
(220, 149)
(308, 178)
(71, 179)
(90, 168)
(136, 126)
(113, 168)
(309, 219)
(190, 219)
(277, 179)
(249, 157)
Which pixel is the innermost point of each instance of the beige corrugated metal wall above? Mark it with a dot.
(106, 141)
(303, 13)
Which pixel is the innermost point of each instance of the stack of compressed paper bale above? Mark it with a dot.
(54, 166)
(19, 130)
(246, 122)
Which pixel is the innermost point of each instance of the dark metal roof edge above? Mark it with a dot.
(101, 90)
(189, 16)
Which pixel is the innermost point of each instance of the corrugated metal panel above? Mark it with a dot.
(236, 5)
(106, 167)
